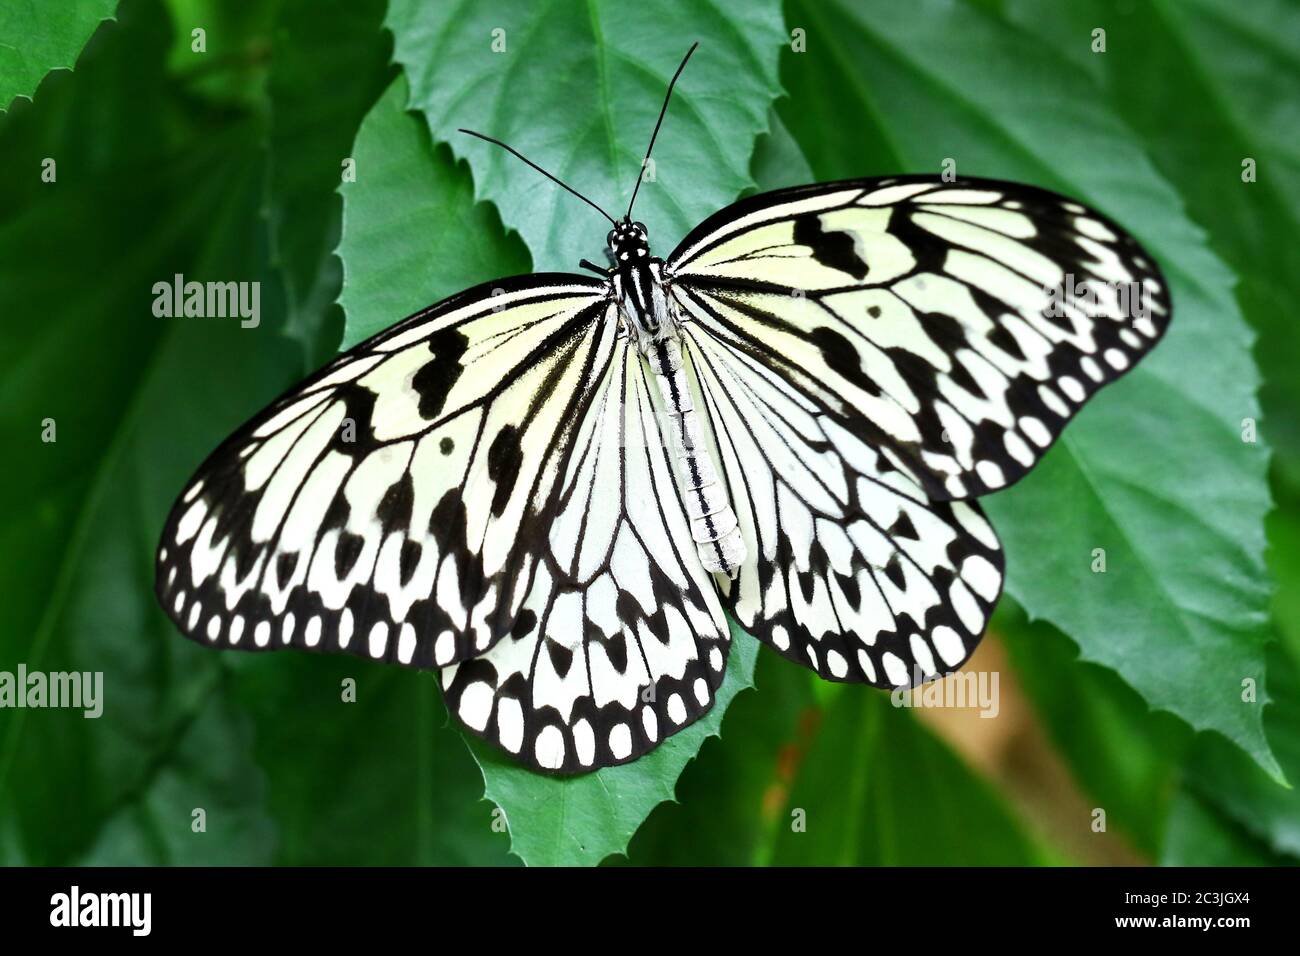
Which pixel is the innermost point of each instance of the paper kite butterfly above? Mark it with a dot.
(552, 489)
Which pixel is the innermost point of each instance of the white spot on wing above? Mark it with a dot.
(549, 748)
(949, 645)
(475, 705)
(584, 742)
(620, 741)
(510, 724)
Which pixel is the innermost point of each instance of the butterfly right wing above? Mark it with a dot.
(388, 506)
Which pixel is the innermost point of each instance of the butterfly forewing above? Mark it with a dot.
(388, 506)
(955, 326)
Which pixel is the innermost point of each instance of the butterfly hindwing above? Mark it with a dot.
(621, 640)
(854, 572)
(386, 506)
(957, 326)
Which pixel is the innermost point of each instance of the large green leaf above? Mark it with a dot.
(412, 232)
(747, 769)
(390, 271)
(576, 88)
(38, 37)
(136, 401)
(877, 789)
(329, 64)
(1154, 471)
(1240, 65)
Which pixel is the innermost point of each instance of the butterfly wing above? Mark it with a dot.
(955, 326)
(871, 351)
(483, 483)
(388, 506)
(623, 641)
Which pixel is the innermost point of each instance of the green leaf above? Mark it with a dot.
(379, 780)
(551, 821)
(581, 820)
(329, 64)
(1221, 775)
(1154, 471)
(390, 272)
(135, 402)
(747, 768)
(412, 232)
(878, 789)
(1198, 835)
(778, 161)
(542, 97)
(1238, 64)
(206, 769)
(36, 38)
(576, 88)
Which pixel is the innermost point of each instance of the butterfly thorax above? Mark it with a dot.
(638, 282)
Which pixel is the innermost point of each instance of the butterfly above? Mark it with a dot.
(554, 489)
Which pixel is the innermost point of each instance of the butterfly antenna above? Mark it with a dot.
(555, 179)
(664, 109)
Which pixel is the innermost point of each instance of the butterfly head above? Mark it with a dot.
(628, 243)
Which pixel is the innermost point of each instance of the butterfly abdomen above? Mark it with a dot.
(713, 522)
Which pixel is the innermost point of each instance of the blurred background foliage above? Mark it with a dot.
(1118, 693)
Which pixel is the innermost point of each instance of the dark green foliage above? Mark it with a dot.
(1153, 685)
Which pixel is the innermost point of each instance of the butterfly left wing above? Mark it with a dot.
(955, 326)
(388, 505)
(622, 642)
(481, 488)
